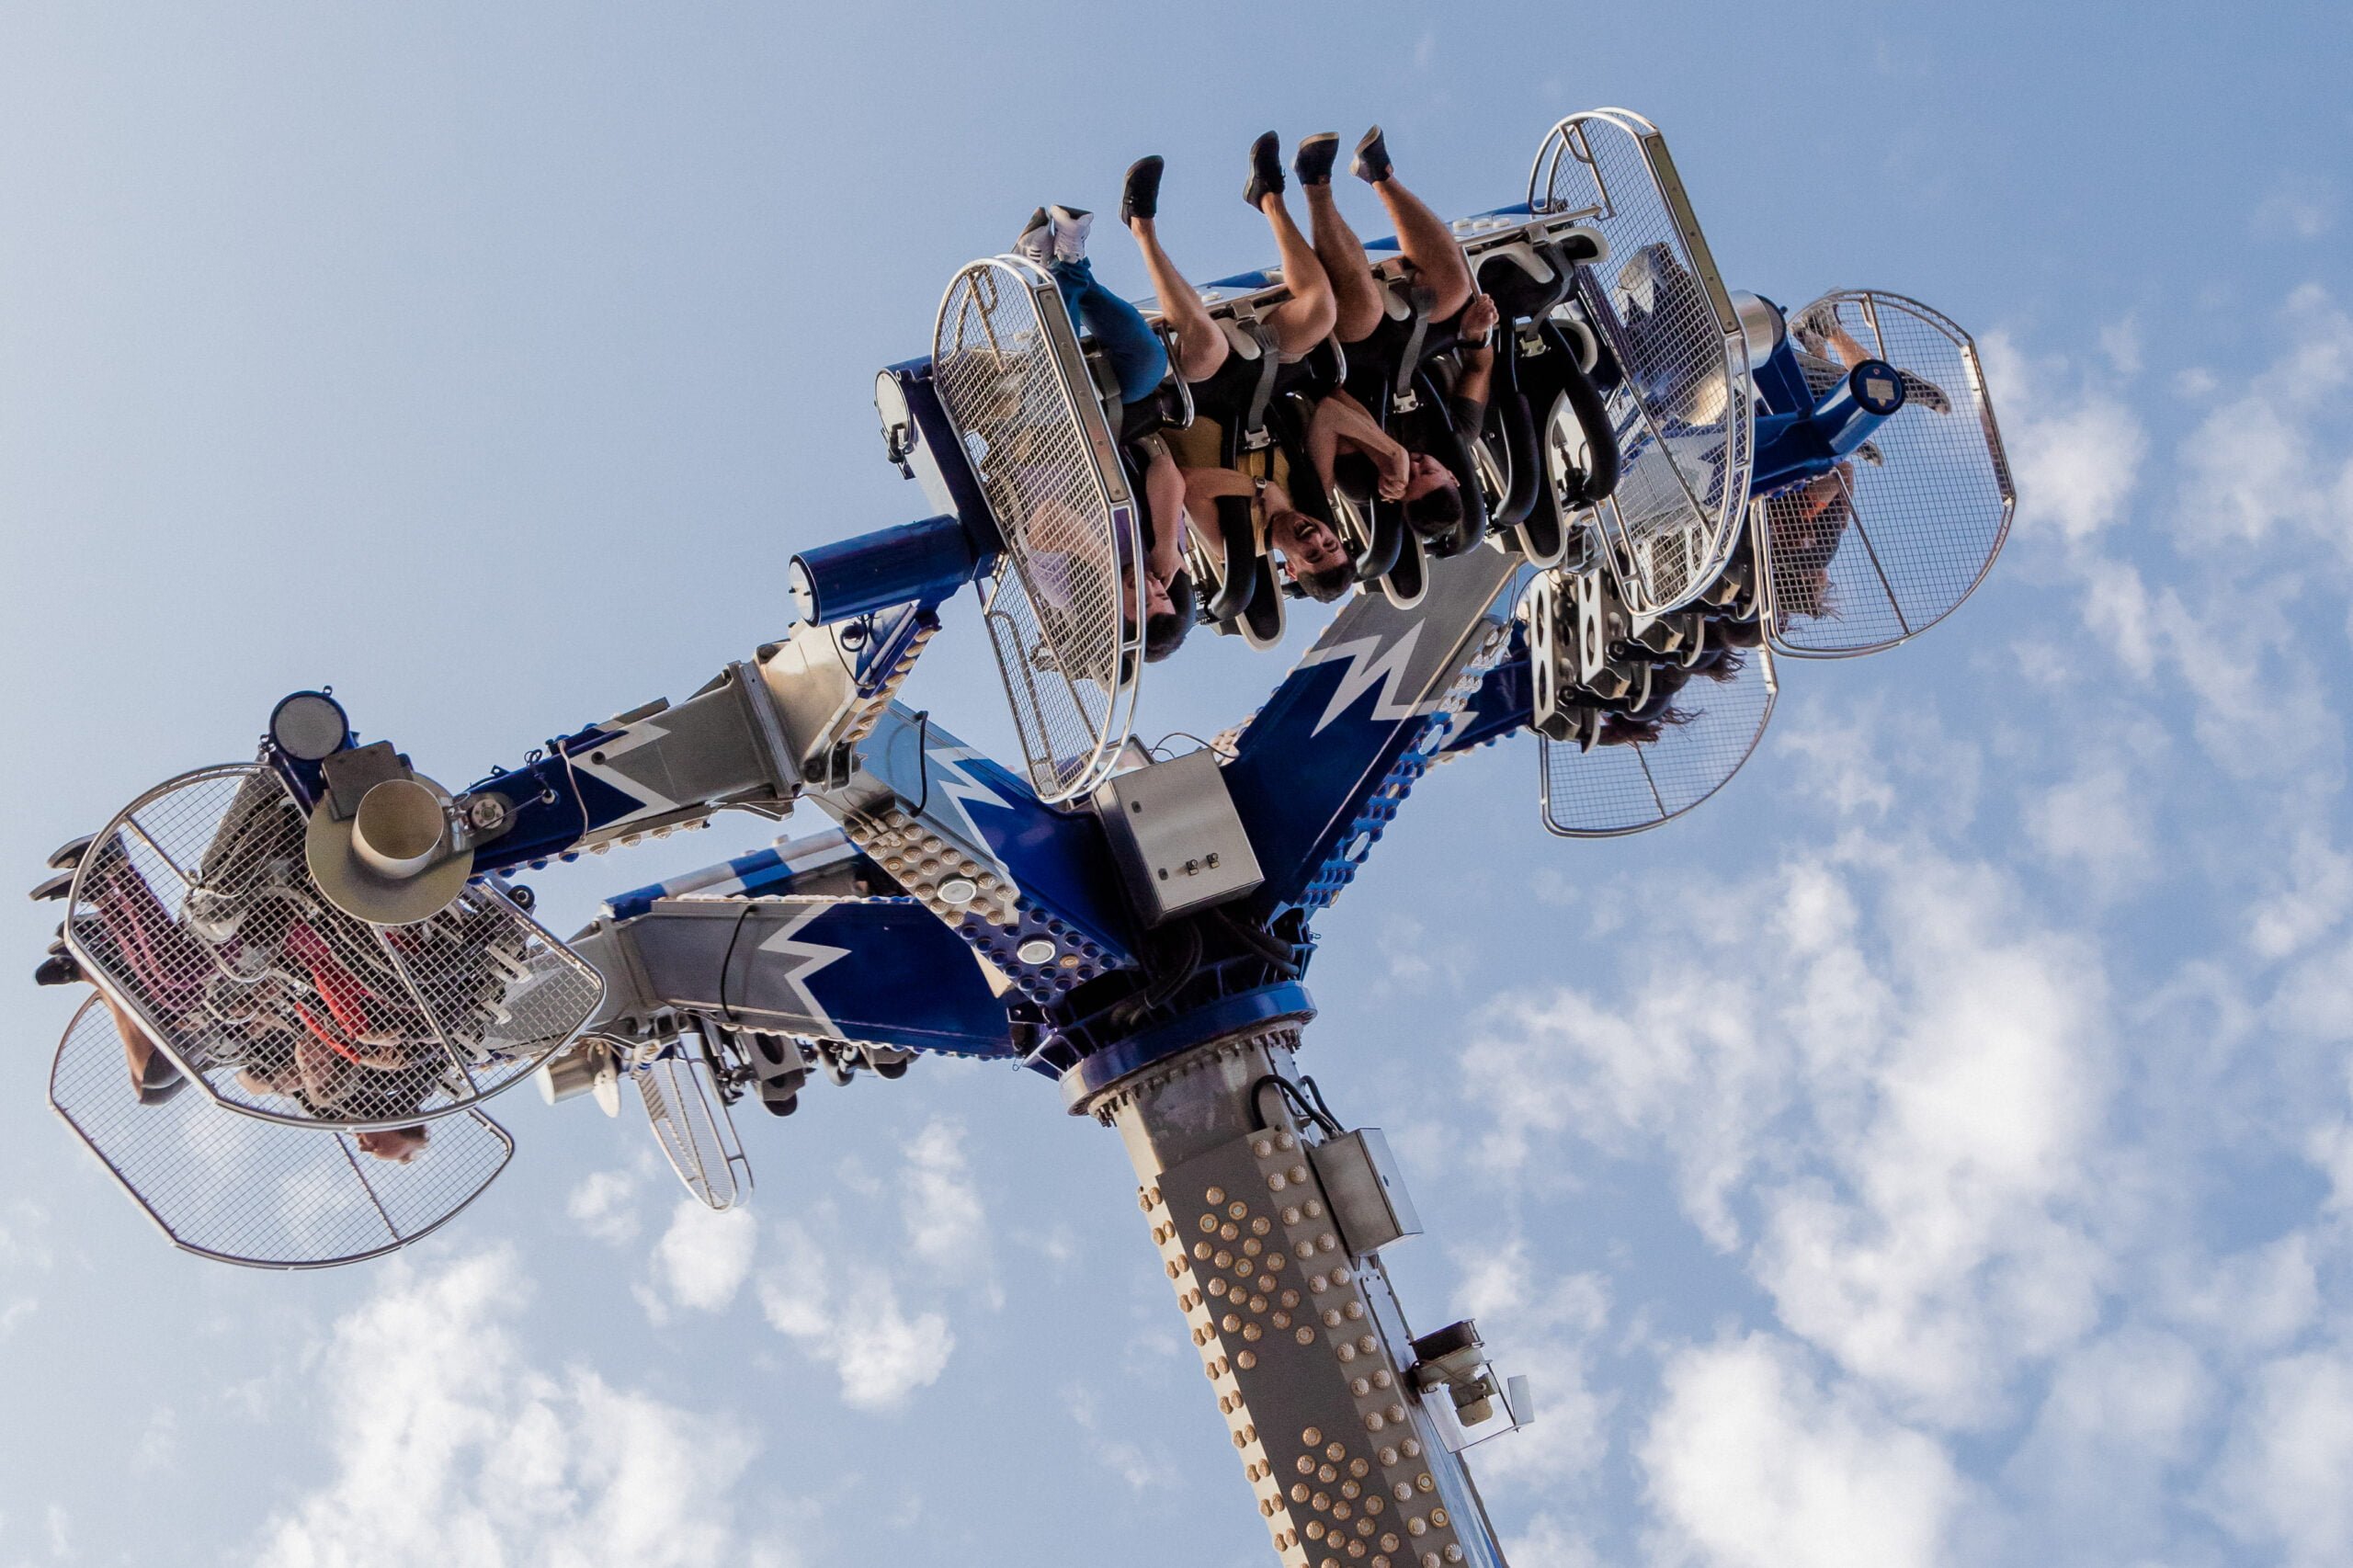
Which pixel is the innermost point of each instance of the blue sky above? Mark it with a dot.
(1937, 1150)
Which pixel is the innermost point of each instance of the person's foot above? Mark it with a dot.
(1070, 226)
(58, 968)
(57, 886)
(1140, 197)
(1926, 393)
(1313, 162)
(1036, 240)
(1265, 169)
(1372, 163)
(66, 856)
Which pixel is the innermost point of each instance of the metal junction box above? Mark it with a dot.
(1368, 1198)
(1177, 837)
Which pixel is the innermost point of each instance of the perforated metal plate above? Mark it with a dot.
(1064, 611)
(1682, 409)
(692, 1123)
(1890, 543)
(196, 910)
(239, 1190)
(1613, 790)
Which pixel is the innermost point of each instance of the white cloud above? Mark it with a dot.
(605, 1205)
(450, 1447)
(704, 1257)
(2281, 1482)
(947, 1223)
(2096, 823)
(1886, 1057)
(2120, 1420)
(1750, 1465)
(847, 1315)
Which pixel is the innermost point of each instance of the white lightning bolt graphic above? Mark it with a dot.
(811, 957)
(1366, 667)
(947, 777)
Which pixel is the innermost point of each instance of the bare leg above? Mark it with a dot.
(137, 1049)
(1200, 347)
(1429, 244)
(1356, 297)
(1305, 319)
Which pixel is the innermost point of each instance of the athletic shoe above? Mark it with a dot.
(57, 886)
(58, 968)
(1070, 226)
(1140, 197)
(1372, 163)
(1313, 162)
(66, 856)
(1925, 393)
(1265, 169)
(1036, 240)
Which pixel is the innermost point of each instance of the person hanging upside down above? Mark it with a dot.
(1224, 381)
(1055, 238)
(1456, 319)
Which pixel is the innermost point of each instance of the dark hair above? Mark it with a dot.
(1436, 511)
(1727, 665)
(1164, 634)
(1327, 584)
(1618, 729)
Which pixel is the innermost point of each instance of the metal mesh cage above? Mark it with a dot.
(1065, 618)
(194, 908)
(1681, 407)
(1886, 545)
(1620, 789)
(240, 1191)
(692, 1123)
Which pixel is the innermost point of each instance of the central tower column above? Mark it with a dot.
(1303, 1345)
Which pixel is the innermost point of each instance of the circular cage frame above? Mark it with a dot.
(563, 989)
(1968, 376)
(1761, 674)
(1710, 373)
(691, 1121)
(1059, 609)
(158, 1154)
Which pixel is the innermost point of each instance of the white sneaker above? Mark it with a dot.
(1071, 228)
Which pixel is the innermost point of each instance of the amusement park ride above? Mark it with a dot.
(310, 957)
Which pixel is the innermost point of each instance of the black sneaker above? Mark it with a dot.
(1140, 197)
(57, 886)
(65, 857)
(1313, 162)
(58, 968)
(1265, 169)
(1372, 163)
(1036, 241)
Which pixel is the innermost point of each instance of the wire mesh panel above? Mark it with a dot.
(1681, 406)
(245, 1191)
(1629, 782)
(692, 1123)
(194, 908)
(1065, 611)
(1889, 543)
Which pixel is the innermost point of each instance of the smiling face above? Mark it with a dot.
(1307, 546)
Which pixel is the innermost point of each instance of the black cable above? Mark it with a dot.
(726, 1010)
(923, 758)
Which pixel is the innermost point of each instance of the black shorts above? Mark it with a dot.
(1374, 358)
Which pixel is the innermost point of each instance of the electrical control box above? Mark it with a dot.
(1175, 835)
(1368, 1197)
